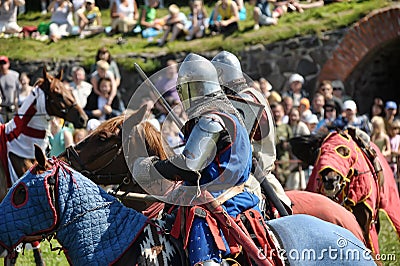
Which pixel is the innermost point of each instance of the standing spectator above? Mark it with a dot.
(89, 19)
(297, 177)
(175, 23)
(394, 136)
(61, 136)
(326, 89)
(390, 113)
(262, 14)
(317, 105)
(80, 88)
(61, 20)
(339, 91)
(351, 118)
(228, 24)
(9, 89)
(103, 71)
(124, 15)
(149, 25)
(296, 91)
(104, 54)
(283, 132)
(97, 104)
(377, 108)
(26, 88)
(8, 16)
(379, 136)
(198, 18)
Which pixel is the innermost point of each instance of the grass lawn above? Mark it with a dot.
(388, 241)
(312, 21)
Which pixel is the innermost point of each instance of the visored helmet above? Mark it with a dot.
(197, 79)
(229, 70)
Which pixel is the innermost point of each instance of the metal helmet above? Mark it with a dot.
(229, 70)
(197, 79)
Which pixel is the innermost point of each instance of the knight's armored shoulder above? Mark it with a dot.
(212, 123)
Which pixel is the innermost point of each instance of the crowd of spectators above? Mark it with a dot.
(83, 18)
(296, 113)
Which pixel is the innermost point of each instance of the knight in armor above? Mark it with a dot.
(234, 83)
(217, 152)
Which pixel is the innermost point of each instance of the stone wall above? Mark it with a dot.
(276, 62)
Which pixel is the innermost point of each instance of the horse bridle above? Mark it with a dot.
(123, 178)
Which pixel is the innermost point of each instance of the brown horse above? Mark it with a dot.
(30, 125)
(100, 156)
(351, 172)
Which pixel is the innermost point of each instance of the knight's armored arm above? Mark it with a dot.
(199, 151)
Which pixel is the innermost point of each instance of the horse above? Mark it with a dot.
(55, 201)
(355, 174)
(100, 158)
(31, 125)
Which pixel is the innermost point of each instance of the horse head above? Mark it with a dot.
(29, 209)
(60, 100)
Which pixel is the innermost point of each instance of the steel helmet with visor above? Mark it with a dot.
(197, 79)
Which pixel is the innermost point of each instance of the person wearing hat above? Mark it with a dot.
(339, 90)
(296, 82)
(351, 119)
(9, 89)
(8, 16)
(390, 113)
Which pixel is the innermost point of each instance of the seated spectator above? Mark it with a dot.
(26, 88)
(241, 9)
(326, 89)
(103, 71)
(8, 16)
(80, 88)
(317, 105)
(124, 15)
(104, 54)
(304, 108)
(175, 23)
(199, 20)
(228, 10)
(61, 20)
(283, 7)
(89, 17)
(97, 104)
(377, 108)
(331, 113)
(262, 14)
(311, 121)
(390, 113)
(149, 25)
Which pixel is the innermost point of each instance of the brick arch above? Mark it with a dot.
(369, 33)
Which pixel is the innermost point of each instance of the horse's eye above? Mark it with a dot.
(20, 196)
(343, 150)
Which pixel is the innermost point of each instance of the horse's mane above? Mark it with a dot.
(110, 125)
(154, 142)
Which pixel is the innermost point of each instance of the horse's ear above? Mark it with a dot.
(40, 157)
(60, 74)
(46, 82)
